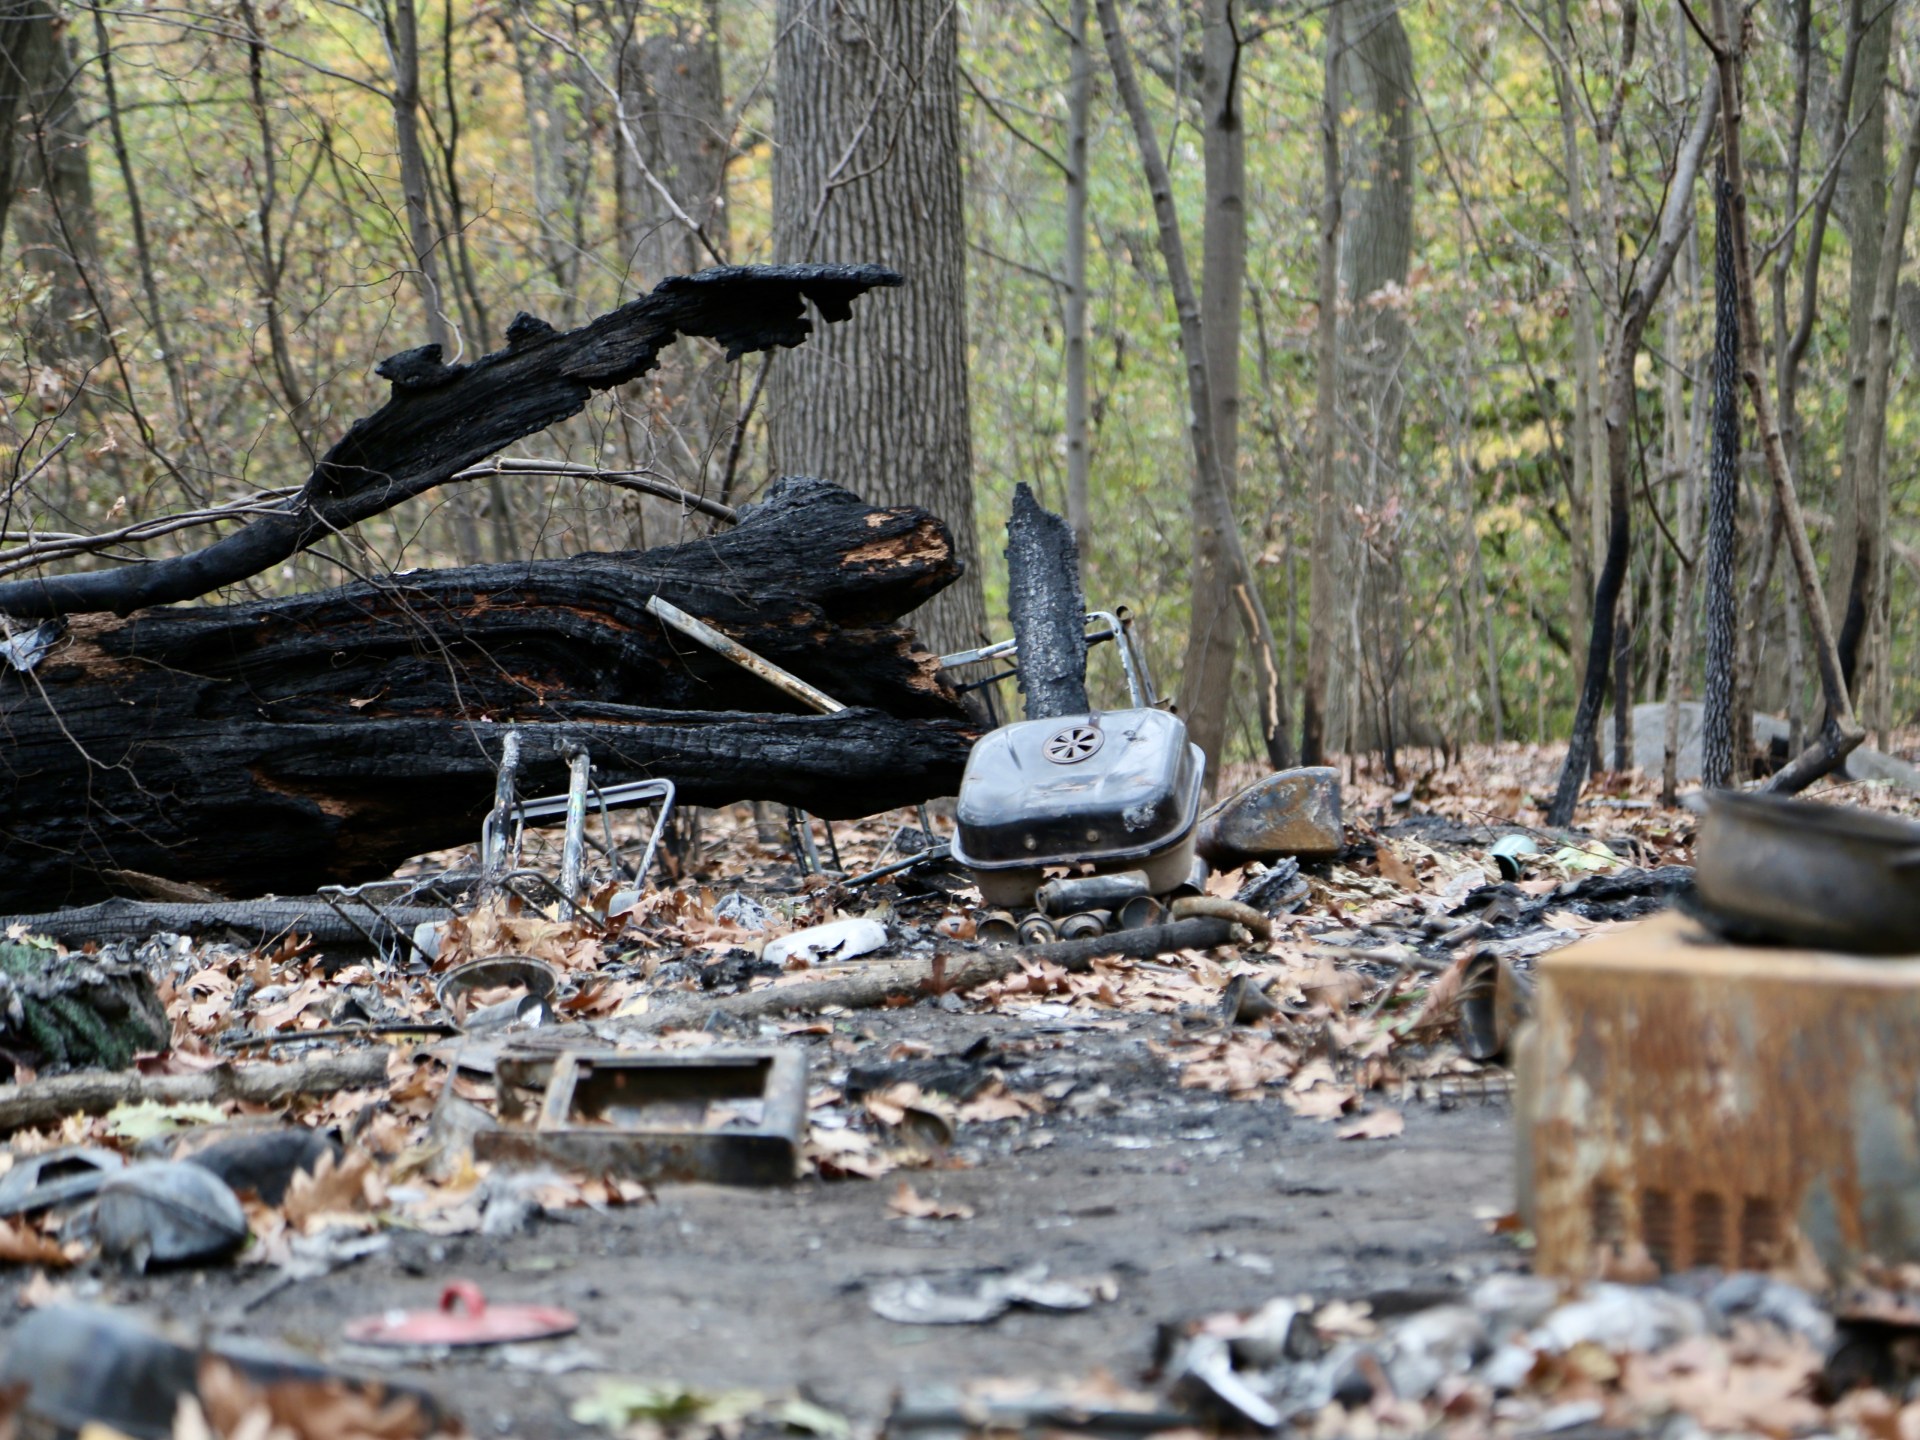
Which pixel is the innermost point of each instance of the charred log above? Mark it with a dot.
(282, 745)
(250, 922)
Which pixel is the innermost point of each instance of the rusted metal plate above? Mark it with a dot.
(733, 1117)
(1701, 1104)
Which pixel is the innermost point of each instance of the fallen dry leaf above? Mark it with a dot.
(333, 1409)
(1378, 1125)
(995, 1103)
(331, 1194)
(1396, 869)
(909, 1204)
(22, 1245)
(1324, 1102)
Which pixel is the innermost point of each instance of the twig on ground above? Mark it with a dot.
(94, 1092)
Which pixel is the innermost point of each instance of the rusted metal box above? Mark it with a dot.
(733, 1117)
(1720, 1105)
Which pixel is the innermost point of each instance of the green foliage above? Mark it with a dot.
(278, 245)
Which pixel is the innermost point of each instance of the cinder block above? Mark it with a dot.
(1720, 1105)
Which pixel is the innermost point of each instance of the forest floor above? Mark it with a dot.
(1162, 1163)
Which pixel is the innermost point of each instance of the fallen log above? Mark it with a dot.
(255, 922)
(252, 808)
(880, 983)
(94, 1092)
(277, 746)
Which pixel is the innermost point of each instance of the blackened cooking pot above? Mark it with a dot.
(1830, 877)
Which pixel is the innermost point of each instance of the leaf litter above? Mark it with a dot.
(1362, 983)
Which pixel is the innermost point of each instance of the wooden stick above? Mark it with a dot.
(94, 1092)
(882, 984)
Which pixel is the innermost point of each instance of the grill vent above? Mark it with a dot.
(1659, 1227)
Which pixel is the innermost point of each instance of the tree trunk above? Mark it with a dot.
(1206, 688)
(26, 47)
(1717, 736)
(403, 50)
(55, 221)
(1841, 733)
(1079, 451)
(1863, 214)
(1865, 478)
(1326, 572)
(1213, 518)
(867, 161)
(1586, 440)
(286, 743)
(1623, 349)
(669, 86)
(1376, 247)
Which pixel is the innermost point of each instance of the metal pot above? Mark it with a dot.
(1791, 872)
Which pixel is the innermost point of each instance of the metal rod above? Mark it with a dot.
(632, 793)
(801, 829)
(493, 847)
(725, 645)
(573, 849)
(1119, 630)
(936, 852)
(1137, 692)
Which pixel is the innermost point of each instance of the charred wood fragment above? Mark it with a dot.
(443, 418)
(1048, 609)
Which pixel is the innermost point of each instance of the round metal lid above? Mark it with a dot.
(463, 1318)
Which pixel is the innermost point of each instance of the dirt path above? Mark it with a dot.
(1190, 1202)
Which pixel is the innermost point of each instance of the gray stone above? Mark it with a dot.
(1291, 812)
(1649, 750)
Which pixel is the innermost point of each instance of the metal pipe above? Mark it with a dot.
(1074, 894)
(573, 848)
(935, 852)
(493, 849)
(725, 645)
(1037, 930)
(800, 829)
(998, 927)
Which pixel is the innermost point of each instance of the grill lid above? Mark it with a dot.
(1105, 786)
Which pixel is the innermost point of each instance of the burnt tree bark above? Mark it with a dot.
(290, 743)
(1047, 608)
(442, 418)
(1723, 503)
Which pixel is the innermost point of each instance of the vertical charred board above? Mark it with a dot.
(1047, 608)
